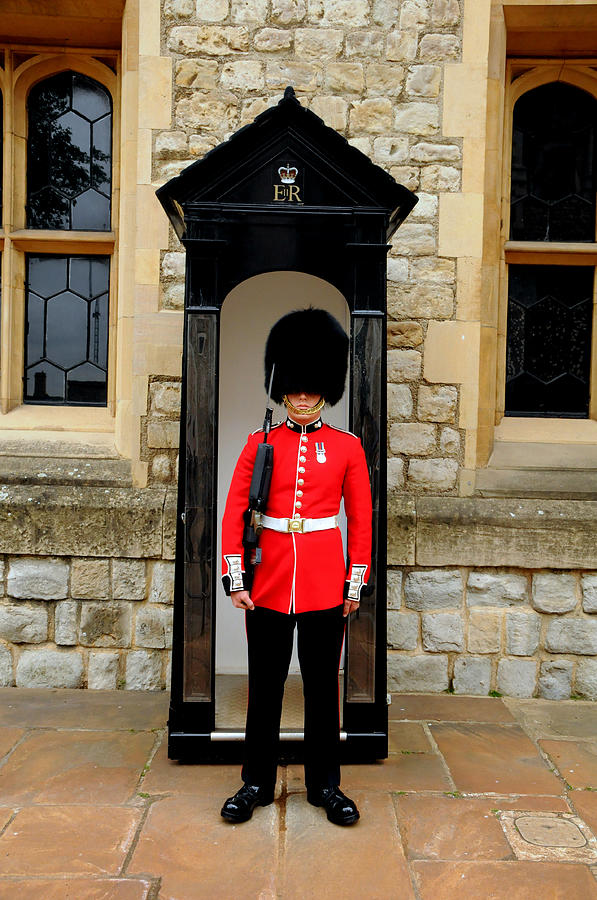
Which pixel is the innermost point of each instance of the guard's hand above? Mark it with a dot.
(242, 600)
(350, 606)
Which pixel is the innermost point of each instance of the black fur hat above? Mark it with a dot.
(310, 350)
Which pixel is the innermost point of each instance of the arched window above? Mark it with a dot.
(553, 201)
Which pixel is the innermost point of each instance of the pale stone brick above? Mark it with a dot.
(173, 265)
(49, 669)
(199, 145)
(589, 593)
(430, 268)
(395, 474)
(270, 40)
(24, 623)
(517, 677)
(2, 574)
(484, 631)
(364, 43)
(417, 118)
(247, 12)
(164, 433)
(347, 15)
(586, 679)
(440, 178)
(196, 73)
(403, 365)
(281, 73)
(371, 116)
(433, 474)
(472, 675)
(179, 9)
(384, 80)
(165, 397)
(318, 43)
(413, 14)
(433, 589)
(107, 624)
(212, 10)
(161, 468)
(173, 296)
(252, 108)
(90, 579)
(171, 143)
(425, 152)
(165, 170)
(414, 240)
(445, 12)
(412, 438)
(162, 583)
(495, 589)
(397, 269)
(403, 630)
(204, 110)
(421, 301)
(37, 579)
(400, 401)
(554, 593)
(128, 579)
(442, 632)
(424, 81)
(437, 403)
(153, 626)
(572, 635)
(333, 111)
(211, 40)
(404, 334)
(394, 589)
(167, 655)
(6, 667)
(426, 208)
(406, 175)
(342, 77)
(439, 46)
(385, 12)
(243, 73)
(65, 623)
(361, 143)
(522, 633)
(392, 149)
(418, 673)
(288, 12)
(102, 670)
(449, 441)
(401, 46)
(555, 680)
(143, 670)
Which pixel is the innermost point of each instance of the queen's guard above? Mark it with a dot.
(301, 577)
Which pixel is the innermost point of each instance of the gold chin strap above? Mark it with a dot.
(303, 412)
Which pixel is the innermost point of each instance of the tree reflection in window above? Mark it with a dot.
(66, 344)
(69, 154)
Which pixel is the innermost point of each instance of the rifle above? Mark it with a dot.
(258, 494)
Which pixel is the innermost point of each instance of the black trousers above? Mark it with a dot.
(320, 635)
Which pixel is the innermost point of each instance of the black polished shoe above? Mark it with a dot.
(341, 810)
(240, 807)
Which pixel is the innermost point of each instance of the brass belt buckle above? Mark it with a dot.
(295, 525)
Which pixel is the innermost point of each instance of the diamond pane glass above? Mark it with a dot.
(69, 154)
(66, 346)
(548, 358)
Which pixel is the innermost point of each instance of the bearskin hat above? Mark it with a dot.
(310, 350)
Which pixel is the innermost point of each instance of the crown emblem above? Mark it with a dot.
(287, 174)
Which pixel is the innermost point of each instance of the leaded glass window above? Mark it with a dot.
(69, 154)
(66, 343)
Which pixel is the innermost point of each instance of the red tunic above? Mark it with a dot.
(314, 467)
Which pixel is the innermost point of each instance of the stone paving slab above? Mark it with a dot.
(504, 881)
(8, 738)
(72, 708)
(75, 889)
(407, 736)
(448, 708)
(585, 805)
(549, 719)
(576, 762)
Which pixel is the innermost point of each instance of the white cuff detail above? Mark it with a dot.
(235, 572)
(357, 575)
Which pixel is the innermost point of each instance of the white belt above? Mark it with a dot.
(298, 525)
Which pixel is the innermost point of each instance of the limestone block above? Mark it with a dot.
(102, 670)
(414, 240)
(554, 593)
(128, 579)
(401, 45)
(243, 73)
(6, 667)
(65, 623)
(433, 589)
(304, 76)
(143, 671)
(343, 77)
(417, 673)
(439, 47)
(522, 633)
(252, 108)
(90, 579)
(427, 268)
(555, 680)
(210, 40)
(364, 43)
(199, 145)
(426, 152)
(180, 9)
(165, 397)
(161, 468)
(212, 10)
(169, 524)
(406, 175)
(412, 438)
(173, 264)
(171, 143)
(385, 12)
(172, 296)
(404, 334)
(2, 574)
(440, 178)
(168, 169)
(427, 206)
(371, 116)
(318, 43)
(442, 632)
(495, 589)
(484, 631)
(572, 635)
(437, 404)
(397, 269)
(401, 530)
(24, 623)
(153, 626)
(589, 593)
(162, 583)
(196, 73)
(270, 40)
(163, 433)
(472, 675)
(333, 111)
(384, 80)
(445, 12)
(403, 630)
(433, 474)
(37, 579)
(43, 668)
(211, 109)
(414, 13)
(168, 666)
(422, 301)
(400, 401)
(586, 679)
(391, 150)
(423, 81)
(416, 118)
(517, 677)
(106, 624)
(449, 441)
(288, 12)
(247, 12)
(354, 14)
(395, 469)
(403, 365)
(394, 581)
(361, 143)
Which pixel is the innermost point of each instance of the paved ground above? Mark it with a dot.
(481, 798)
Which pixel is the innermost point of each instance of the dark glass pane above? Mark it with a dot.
(67, 329)
(548, 356)
(69, 150)
(554, 171)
